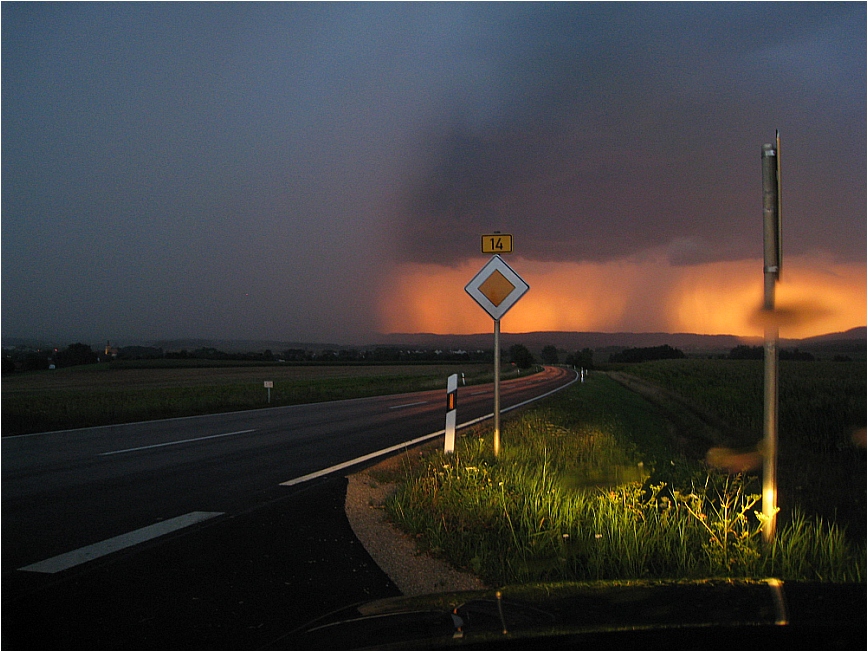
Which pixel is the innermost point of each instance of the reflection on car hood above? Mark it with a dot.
(707, 614)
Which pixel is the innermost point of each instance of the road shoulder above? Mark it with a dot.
(396, 553)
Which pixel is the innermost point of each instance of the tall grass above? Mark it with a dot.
(822, 465)
(573, 496)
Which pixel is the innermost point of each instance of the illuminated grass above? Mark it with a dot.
(574, 496)
(821, 465)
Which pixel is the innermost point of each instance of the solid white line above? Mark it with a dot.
(395, 407)
(179, 441)
(556, 389)
(82, 555)
(359, 460)
(412, 442)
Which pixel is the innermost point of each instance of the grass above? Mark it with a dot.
(821, 403)
(822, 467)
(103, 394)
(586, 488)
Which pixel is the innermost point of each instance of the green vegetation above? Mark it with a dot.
(820, 402)
(103, 394)
(587, 488)
(821, 423)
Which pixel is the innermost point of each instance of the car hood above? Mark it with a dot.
(707, 614)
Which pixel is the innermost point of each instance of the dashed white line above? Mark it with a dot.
(397, 407)
(97, 550)
(179, 441)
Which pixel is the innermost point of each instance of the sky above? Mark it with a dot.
(324, 171)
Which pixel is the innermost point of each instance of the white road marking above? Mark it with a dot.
(396, 407)
(359, 460)
(413, 442)
(179, 441)
(96, 550)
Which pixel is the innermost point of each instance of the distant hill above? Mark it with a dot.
(564, 340)
(853, 340)
(240, 346)
(852, 334)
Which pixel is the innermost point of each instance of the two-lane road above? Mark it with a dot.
(68, 491)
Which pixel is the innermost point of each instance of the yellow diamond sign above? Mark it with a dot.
(496, 287)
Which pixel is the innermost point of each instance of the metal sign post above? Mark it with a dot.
(496, 288)
(496, 387)
(771, 168)
(268, 385)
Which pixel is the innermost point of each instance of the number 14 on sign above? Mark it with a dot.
(497, 243)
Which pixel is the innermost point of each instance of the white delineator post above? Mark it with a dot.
(451, 412)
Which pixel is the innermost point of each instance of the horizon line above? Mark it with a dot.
(372, 342)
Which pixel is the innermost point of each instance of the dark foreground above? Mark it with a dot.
(292, 575)
(241, 583)
(644, 615)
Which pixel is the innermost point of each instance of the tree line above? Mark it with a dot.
(26, 359)
(23, 359)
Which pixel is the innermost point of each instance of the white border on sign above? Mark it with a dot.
(496, 263)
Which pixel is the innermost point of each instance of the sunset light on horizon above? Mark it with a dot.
(323, 172)
(646, 294)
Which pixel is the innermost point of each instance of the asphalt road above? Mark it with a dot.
(158, 534)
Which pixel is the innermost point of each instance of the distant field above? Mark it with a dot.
(822, 404)
(93, 395)
(108, 377)
(822, 418)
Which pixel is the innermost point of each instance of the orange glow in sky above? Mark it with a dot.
(643, 294)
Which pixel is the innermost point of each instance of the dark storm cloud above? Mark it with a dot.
(621, 127)
(258, 169)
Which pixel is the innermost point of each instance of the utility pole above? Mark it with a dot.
(771, 170)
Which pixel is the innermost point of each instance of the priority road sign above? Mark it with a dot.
(496, 287)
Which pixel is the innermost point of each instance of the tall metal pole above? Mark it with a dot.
(496, 387)
(771, 274)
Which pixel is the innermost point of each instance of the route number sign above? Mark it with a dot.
(497, 243)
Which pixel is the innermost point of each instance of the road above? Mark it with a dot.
(73, 496)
